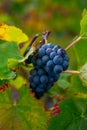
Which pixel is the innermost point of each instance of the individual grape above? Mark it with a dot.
(33, 61)
(50, 64)
(56, 48)
(36, 79)
(61, 52)
(30, 79)
(39, 89)
(39, 62)
(33, 72)
(48, 51)
(45, 46)
(41, 52)
(49, 45)
(66, 58)
(56, 77)
(57, 69)
(41, 86)
(39, 94)
(58, 60)
(33, 85)
(44, 79)
(65, 65)
(47, 69)
(41, 72)
(45, 58)
(53, 54)
(51, 79)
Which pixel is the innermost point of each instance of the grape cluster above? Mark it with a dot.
(48, 62)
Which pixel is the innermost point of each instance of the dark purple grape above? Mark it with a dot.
(48, 51)
(45, 46)
(36, 79)
(50, 64)
(53, 54)
(65, 65)
(50, 45)
(39, 62)
(57, 69)
(55, 48)
(33, 72)
(58, 60)
(41, 52)
(66, 58)
(41, 72)
(45, 58)
(44, 79)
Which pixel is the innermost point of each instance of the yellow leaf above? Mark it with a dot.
(12, 33)
(18, 82)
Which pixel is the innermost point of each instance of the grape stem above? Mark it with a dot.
(73, 43)
(33, 39)
(45, 36)
(71, 72)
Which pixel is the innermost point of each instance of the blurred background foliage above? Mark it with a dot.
(62, 17)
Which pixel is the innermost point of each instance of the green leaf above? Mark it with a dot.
(81, 52)
(63, 84)
(78, 124)
(7, 50)
(78, 93)
(13, 63)
(81, 47)
(2, 82)
(63, 81)
(12, 33)
(69, 119)
(77, 88)
(83, 24)
(26, 113)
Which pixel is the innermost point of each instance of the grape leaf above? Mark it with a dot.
(81, 47)
(78, 93)
(63, 81)
(13, 63)
(69, 119)
(2, 82)
(27, 113)
(12, 33)
(18, 82)
(77, 88)
(81, 52)
(83, 24)
(7, 50)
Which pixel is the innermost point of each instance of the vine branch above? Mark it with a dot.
(71, 72)
(73, 43)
